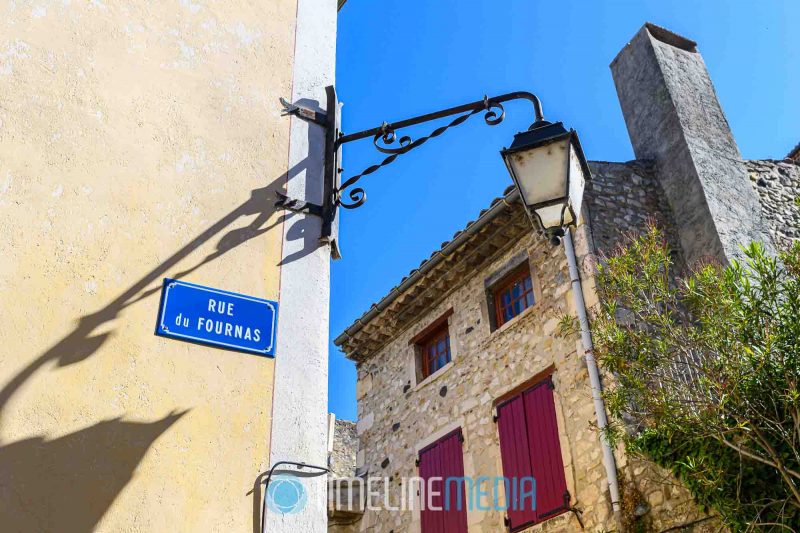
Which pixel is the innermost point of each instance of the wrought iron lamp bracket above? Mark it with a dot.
(386, 141)
(330, 122)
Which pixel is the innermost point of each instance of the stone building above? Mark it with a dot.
(460, 368)
(140, 141)
(343, 497)
(342, 447)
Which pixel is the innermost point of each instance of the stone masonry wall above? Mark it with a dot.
(621, 198)
(778, 186)
(343, 510)
(345, 445)
(397, 416)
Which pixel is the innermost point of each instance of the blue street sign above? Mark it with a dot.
(220, 318)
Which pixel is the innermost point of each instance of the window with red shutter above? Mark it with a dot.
(443, 459)
(529, 447)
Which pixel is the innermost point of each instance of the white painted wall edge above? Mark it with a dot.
(300, 402)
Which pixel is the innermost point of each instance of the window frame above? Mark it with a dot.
(437, 330)
(442, 333)
(506, 284)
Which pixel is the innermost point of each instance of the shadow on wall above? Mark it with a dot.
(67, 484)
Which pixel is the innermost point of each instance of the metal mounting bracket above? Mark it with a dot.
(297, 206)
(303, 112)
(330, 120)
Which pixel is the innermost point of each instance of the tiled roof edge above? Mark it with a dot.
(510, 195)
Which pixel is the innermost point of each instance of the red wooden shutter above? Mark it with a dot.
(444, 459)
(427, 460)
(548, 467)
(516, 458)
(530, 447)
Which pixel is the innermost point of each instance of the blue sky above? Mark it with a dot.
(397, 59)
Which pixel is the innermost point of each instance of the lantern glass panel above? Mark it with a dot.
(551, 216)
(577, 182)
(541, 172)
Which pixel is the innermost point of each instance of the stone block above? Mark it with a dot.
(365, 423)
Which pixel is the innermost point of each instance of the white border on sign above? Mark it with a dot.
(165, 329)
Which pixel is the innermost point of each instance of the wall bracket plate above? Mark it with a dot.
(305, 113)
(297, 206)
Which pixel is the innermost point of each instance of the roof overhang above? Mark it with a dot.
(496, 228)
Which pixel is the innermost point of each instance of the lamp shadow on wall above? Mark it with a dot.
(67, 484)
(306, 229)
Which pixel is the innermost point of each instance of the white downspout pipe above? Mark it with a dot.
(594, 375)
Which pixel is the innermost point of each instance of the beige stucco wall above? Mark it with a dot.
(138, 140)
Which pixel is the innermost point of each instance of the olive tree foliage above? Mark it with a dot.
(705, 373)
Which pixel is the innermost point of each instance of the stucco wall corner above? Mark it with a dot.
(299, 430)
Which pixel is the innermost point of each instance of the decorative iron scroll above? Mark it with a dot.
(386, 141)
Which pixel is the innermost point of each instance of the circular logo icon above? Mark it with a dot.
(286, 495)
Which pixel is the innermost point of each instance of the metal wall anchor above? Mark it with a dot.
(297, 206)
(305, 113)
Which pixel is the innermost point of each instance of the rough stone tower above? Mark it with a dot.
(674, 118)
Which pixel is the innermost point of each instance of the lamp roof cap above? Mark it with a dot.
(541, 133)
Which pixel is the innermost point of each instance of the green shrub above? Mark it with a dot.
(706, 372)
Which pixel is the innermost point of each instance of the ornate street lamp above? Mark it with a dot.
(549, 169)
(546, 162)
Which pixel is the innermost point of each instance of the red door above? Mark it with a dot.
(530, 447)
(516, 457)
(546, 461)
(441, 467)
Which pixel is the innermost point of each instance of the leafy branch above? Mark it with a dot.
(706, 371)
